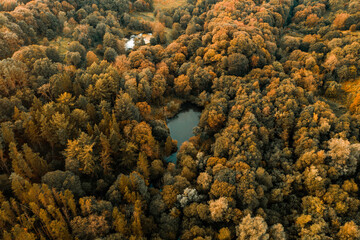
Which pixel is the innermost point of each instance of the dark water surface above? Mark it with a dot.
(181, 127)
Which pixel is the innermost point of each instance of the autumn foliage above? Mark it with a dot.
(84, 119)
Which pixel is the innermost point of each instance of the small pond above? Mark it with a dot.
(181, 127)
(130, 43)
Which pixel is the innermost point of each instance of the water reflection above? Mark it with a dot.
(181, 127)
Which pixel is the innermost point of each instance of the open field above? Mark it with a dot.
(146, 16)
(167, 4)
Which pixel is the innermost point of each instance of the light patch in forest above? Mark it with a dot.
(168, 4)
(62, 43)
(352, 86)
(144, 16)
(352, 96)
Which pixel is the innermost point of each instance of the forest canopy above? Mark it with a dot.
(83, 119)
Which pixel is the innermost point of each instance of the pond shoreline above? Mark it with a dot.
(184, 107)
(181, 126)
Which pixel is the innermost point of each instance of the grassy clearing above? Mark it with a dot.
(61, 43)
(168, 4)
(150, 17)
(147, 16)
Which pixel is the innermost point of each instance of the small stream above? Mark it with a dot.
(181, 127)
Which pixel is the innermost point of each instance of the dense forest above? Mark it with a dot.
(83, 119)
